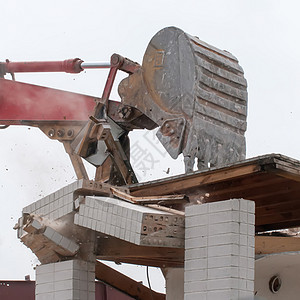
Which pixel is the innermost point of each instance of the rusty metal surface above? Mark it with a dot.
(12, 289)
(183, 78)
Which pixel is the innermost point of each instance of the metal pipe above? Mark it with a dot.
(95, 65)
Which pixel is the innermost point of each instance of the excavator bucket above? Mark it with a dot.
(196, 93)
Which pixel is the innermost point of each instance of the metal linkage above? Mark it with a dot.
(74, 65)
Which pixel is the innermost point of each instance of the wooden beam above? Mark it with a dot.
(166, 209)
(121, 251)
(275, 244)
(165, 199)
(280, 217)
(125, 284)
(184, 183)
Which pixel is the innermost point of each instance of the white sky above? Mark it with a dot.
(263, 35)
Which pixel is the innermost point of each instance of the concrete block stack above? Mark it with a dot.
(219, 250)
(60, 240)
(133, 223)
(68, 280)
(55, 205)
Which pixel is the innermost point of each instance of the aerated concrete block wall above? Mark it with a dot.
(68, 280)
(219, 251)
(130, 222)
(55, 205)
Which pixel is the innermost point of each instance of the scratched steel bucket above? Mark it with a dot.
(196, 93)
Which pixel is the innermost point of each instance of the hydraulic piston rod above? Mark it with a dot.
(75, 65)
(95, 65)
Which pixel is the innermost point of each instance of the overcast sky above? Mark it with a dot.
(263, 35)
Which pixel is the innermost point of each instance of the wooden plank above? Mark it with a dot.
(250, 193)
(275, 244)
(287, 172)
(166, 199)
(185, 183)
(166, 209)
(279, 207)
(243, 185)
(277, 196)
(279, 218)
(125, 284)
(275, 226)
(287, 162)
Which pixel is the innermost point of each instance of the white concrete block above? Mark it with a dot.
(251, 230)
(56, 237)
(64, 284)
(224, 217)
(195, 275)
(195, 286)
(85, 222)
(223, 294)
(63, 265)
(224, 239)
(91, 296)
(196, 210)
(243, 228)
(224, 272)
(127, 235)
(229, 227)
(223, 284)
(44, 288)
(43, 269)
(52, 197)
(45, 296)
(223, 250)
(196, 296)
(221, 206)
(60, 202)
(194, 232)
(251, 207)
(244, 217)
(196, 253)
(196, 242)
(44, 278)
(251, 219)
(95, 214)
(65, 242)
(223, 261)
(243, 205)
(63, 275)
(196, 264)
(197, 220)
(122, 234)
(65, 294)
(228, 259)
(49, 232)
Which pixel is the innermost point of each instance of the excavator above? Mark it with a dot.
(194, 93)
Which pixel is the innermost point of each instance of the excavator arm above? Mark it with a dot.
(65, 116)
(195, 93)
